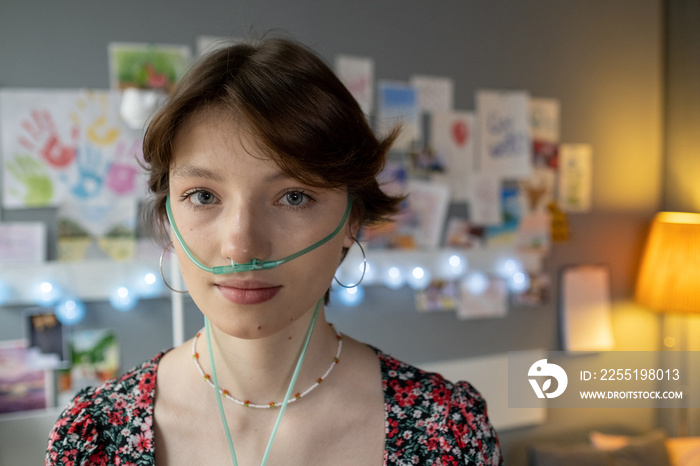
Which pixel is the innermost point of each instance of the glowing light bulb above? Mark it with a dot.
(508, 267)
(5, 292)
(419, 278)
(70, 311)
(149, 278)
(519, 282)
(393, 278)
(351, 296)
(47, 294)
(476, 283)
(452, 266)
(122, 299)
(149, 286)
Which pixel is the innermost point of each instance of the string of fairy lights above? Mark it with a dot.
(395, 270)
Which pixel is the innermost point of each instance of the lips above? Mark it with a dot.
(248, 292)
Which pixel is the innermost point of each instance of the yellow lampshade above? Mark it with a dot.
(669, 274)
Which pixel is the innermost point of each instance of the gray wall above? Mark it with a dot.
(601, 58)
(682, 139)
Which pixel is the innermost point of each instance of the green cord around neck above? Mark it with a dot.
(290, 389)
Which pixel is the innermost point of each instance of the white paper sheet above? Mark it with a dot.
(22, 242)
(485, 200)
(435, 94)
(505, 147)
(585, 308)
(452, 138)
(544, 119)
(575, 177)
(428, 202)
(357, 73)
(493, 302)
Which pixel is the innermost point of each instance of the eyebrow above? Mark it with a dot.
(277, 176)
(194, 171)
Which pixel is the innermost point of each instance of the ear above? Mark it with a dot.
(352, 229)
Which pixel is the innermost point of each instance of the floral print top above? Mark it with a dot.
(429, 421)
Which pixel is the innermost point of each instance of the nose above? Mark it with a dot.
(245, 235)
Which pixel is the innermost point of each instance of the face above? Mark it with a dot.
(230, 202)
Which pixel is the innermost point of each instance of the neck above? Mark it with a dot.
(260, 370)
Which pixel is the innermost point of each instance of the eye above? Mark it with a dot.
(295, 198)
(200, 198)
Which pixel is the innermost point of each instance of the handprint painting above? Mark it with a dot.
(71, 148)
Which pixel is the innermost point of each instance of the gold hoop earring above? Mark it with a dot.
(160, 266)
(364, 269)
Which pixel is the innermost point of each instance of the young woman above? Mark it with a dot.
(263, 169)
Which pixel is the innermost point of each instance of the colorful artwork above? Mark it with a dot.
(21, 387)
(147, 66)
(441, 295)
(61, 145)
(94, 357)
(393, 181)
(539, 187)
(398, 106)
(512, 212)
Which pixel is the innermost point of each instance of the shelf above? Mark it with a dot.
(93, 280)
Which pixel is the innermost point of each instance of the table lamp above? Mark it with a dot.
(669, 273)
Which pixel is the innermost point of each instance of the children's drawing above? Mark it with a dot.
(60, 145)
(451, 137)
(41, 137)
(504, 129)
(33, 185)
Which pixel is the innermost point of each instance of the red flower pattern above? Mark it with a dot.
(428, 421)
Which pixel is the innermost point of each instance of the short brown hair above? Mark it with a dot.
(300, 113)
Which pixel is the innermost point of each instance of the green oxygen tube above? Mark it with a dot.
(254, 264)
(290, 389)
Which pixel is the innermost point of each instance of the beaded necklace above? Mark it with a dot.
(272, 404)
